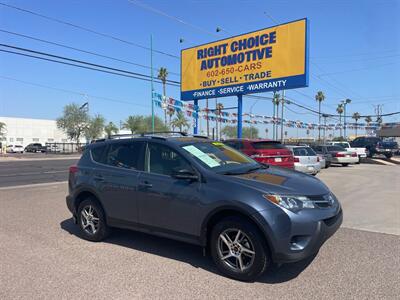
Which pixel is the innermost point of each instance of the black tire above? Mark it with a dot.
(388, 155)
(328, 164)
(252, 239)
(345, 165)
(102, 228)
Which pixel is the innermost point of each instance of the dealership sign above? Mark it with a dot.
(270, 59)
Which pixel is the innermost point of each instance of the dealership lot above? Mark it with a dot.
(43, 258)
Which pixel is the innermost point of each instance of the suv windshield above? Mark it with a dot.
(267, 145)
(220, 158)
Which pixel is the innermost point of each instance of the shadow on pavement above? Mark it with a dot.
(184, 252)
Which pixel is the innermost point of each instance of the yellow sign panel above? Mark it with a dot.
(269, 59)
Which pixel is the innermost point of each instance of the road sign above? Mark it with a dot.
(269, 59)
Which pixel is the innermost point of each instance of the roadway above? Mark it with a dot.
(23, 172)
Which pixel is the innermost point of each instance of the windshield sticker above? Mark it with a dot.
(202, 156)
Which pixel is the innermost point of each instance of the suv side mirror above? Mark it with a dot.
(185, 174)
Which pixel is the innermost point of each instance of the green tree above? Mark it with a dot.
(95, 128)
(73, 121)
(319, 97)
(356, 116)
(162, 75)
(135, 124)
(110, 129)
(2, 129)
(170, 113)
(231, 131)
(180, 122)
(159, 125)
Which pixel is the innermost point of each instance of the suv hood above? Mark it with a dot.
(282, 181)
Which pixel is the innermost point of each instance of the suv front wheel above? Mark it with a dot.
(238, 249)
(91, 221)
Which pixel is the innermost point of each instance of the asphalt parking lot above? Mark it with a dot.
(42, 257)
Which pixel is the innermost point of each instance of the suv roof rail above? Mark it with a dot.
(115, 136)
(163, 132)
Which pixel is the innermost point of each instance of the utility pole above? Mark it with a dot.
(283, 105)
(152, 84)
(325, 116)
(273, 117)
(345, 102)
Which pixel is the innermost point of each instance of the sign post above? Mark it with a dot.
(239, 116)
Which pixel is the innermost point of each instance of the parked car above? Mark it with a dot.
(53, 148)
(361, 151)
(375, 146)
(15, 149)
(35, 147)
(245, 214)
(324, 154)
(341, 156)
(264, 151)
(305, 160)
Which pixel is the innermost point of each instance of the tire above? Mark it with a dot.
(328, 164)
(345, 165)
(253, 264)
(388, 155)
(97, 230)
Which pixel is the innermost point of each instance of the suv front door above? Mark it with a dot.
(165, 203)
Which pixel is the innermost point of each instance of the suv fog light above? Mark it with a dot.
(299, 242)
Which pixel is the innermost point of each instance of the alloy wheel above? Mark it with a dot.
(89, 219)
(236, 249)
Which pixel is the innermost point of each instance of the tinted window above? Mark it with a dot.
(124, 155)
(233, 144)
(267, 145)
(318, 149)
(163, 160)
(97, 154)
(303, 151)
(335, 148)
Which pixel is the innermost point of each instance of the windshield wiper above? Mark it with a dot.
(260, 166)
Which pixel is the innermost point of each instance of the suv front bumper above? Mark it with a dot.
(294, 240)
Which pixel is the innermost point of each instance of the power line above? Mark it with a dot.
(72, 92)
(356, 70)
(113, 70)
(88, 30)
(80, 50)
(160, 12)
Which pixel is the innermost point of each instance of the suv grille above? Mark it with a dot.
(323, 201)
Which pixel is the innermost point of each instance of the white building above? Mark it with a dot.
(21, 131)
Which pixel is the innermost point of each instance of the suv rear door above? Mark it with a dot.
(165, 202)
(116, 176)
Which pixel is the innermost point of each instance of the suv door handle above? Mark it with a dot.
(98, 178)
(145, 185)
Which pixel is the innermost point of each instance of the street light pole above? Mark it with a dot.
(283, 105)
(345, 102)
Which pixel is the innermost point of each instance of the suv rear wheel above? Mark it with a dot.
(91, 221)
(238, 249)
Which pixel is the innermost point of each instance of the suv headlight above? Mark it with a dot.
(292, 203)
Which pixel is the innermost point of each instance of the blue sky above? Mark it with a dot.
(354, 51)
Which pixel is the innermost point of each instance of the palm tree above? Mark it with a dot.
(162, 75)
(319, 97)
(170, 113)
(368, 119)
(110, 129)
(340, 110)
(356, 116)
(180, 121)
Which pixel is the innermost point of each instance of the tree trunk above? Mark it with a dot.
(319, 120)
(165, 110)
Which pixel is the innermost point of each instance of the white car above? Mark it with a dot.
(15, 149)
(341, 156)
(361, 151)
(305, 159)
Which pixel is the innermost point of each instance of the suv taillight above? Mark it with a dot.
(339, 154)
(73, 169)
